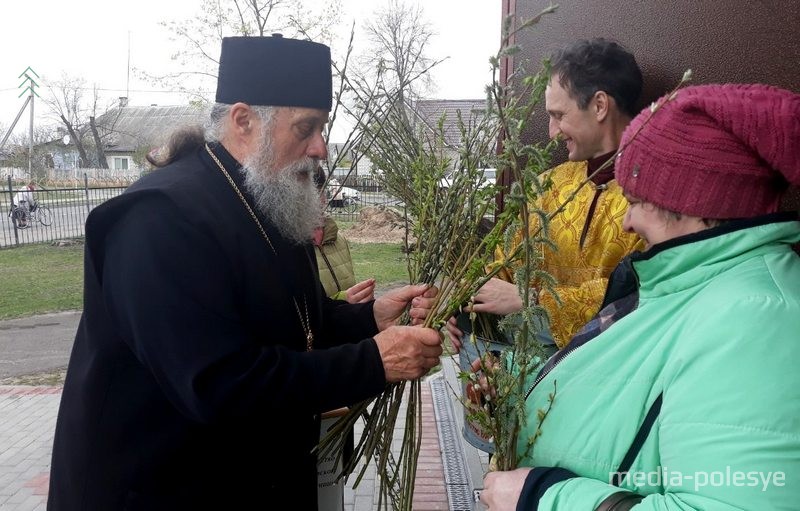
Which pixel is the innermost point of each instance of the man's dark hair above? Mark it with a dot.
(588, 66)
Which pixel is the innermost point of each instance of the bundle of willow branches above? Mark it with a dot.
(450, 251)
(452, 248)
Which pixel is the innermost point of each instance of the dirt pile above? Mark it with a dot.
(377, 224)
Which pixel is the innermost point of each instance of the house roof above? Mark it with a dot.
(128, 128)
(431, 110)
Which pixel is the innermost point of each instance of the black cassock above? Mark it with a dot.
(189, 384)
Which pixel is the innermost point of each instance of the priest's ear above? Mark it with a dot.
(243, 125)
(242, 117)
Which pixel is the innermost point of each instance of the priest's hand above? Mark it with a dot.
(408, 352)
(389, 307)
(501, 490)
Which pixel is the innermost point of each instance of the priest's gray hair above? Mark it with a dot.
(187, 139)
(215, 125)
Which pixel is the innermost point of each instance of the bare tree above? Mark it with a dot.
(399, 35)
(368, 90)
(17, 150)
(98, 143)
(73, 109)
(198, 38)
(66, 101)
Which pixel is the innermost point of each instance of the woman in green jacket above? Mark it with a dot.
(683, 392)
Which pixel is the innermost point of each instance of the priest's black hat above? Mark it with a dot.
(275, 71)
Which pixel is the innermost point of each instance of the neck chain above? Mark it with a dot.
(304, 320)
(241, 197)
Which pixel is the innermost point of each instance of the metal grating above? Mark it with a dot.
(456, 478)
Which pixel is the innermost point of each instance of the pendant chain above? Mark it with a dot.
(241, 197)
(304, 320)
(306, 323)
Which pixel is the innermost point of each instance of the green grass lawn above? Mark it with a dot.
(42, 278)
(382, 261)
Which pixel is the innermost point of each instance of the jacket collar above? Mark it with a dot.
(330, 231)
(689, 260)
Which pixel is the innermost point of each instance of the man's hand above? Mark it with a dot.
(408, 352)
(501, 490)
(362, 292)
(388, 308)
(497, 297)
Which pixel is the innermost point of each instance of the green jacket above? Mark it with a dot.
(334, 262)
(717, 332)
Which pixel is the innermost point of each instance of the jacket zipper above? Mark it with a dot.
(328, 263)
(570, 350)
(541, 376)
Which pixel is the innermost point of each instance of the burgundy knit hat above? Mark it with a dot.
(714, 151)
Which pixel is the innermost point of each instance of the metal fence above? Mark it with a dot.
(68, 208)
(70, 205)
(370, 193)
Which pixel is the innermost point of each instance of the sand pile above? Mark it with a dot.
(377, 224)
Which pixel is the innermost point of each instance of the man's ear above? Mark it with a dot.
(601, 104)
(242, 118)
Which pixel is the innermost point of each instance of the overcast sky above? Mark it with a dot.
(89, 38)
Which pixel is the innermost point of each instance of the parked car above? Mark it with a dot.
(488, 178)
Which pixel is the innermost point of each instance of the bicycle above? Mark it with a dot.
(348, 204)
(24, 217)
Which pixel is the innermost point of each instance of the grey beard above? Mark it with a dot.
(292, 205)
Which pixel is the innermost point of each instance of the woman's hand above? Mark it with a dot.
(497, 297)
(362, 292)
(482, 391)
(501, 490)
(454, 333)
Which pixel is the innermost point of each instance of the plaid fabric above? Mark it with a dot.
(602, 321)
(612, 313)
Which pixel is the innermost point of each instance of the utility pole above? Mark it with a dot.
(30, 85)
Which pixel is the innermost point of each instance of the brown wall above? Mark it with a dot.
(720, 40)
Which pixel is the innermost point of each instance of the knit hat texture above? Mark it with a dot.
(714, 151)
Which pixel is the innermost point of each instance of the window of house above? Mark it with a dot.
(120, 163)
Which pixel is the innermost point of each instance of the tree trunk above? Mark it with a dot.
(78, 143)
(101, 153)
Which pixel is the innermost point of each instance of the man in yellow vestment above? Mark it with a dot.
(592, 96)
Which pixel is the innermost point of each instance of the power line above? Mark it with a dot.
(131, 90)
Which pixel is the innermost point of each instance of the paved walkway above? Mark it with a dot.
(27, 423)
